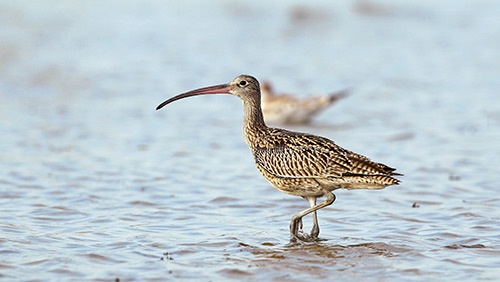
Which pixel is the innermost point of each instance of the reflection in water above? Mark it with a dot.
(298, 261)
(308, 251)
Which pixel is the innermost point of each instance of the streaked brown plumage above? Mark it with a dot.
(295, 163)
(289, 109)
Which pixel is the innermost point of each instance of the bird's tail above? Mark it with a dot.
(335, 96)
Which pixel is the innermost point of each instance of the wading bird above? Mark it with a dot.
(298, 164)
(289, 109)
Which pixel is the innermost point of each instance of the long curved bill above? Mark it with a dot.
(217, 89)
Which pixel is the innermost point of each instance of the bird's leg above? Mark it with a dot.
(297, 219)
(315, 228)
(295, 227)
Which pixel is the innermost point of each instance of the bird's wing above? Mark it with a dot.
(303, 157)
(364, 166)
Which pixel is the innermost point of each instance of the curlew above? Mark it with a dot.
(298, 164)
(289, 109)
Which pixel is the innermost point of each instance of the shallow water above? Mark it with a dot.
(97, 185)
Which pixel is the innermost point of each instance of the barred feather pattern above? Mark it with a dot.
(301, 164)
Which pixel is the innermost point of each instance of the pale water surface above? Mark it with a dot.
(97, 185)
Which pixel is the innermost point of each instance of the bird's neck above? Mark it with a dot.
(254, 127)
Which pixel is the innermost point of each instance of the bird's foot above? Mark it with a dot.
(315, 232)
(302, 236)
(298, 235)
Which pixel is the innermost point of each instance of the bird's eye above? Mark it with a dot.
(242, 83)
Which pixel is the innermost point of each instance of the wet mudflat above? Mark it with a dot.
(97, 185)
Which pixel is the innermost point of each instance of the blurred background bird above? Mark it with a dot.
(289, 109)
